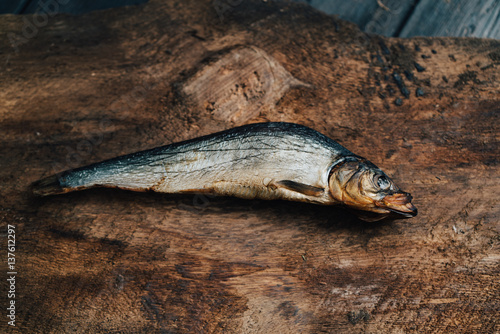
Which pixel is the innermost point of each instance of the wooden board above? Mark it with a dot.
(75, 7)
(410, 18)
(10, 7)
(375, 17)
(80, 7)
(82, 89)
(395, 18)
(478, 18)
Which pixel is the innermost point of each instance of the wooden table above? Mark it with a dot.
(83, 89)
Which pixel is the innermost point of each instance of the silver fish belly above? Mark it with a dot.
(265, 160)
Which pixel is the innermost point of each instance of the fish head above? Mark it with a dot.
(361, 185)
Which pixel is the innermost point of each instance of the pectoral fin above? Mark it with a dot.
(301, 188)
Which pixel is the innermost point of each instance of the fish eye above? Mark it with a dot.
(382, 182)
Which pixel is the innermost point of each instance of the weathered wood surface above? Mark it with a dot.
(385, 17)
(79, 6)
(409, 18)
(480, 18)
(396, 18)
(84, 89)
(62, 6)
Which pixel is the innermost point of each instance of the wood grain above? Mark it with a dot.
(74, 7)
(385, 17)
(410, 18)
(87, 88)
(460, 18)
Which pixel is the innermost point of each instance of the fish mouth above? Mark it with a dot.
(400, 203)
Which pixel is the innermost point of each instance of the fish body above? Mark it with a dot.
(264, 160)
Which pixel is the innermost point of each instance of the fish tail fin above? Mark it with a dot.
(132, 172)
(51, 185)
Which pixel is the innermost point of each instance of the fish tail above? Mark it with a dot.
(51, 185)
(131, 172)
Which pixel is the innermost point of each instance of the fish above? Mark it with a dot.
(270, 161)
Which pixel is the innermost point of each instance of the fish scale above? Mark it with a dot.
(263, 160)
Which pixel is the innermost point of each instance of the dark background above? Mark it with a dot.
(395, 18)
